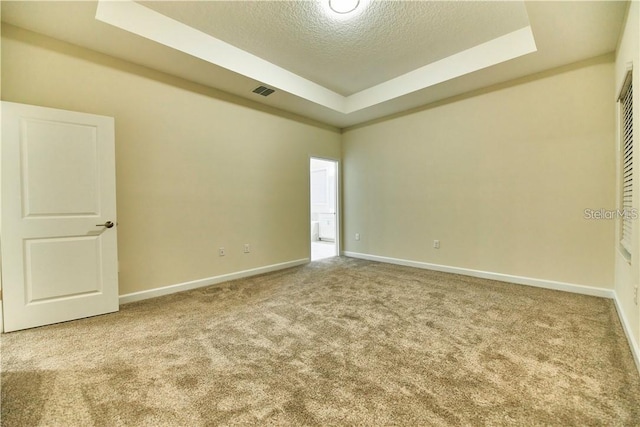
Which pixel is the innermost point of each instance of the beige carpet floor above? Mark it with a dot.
(336, 342)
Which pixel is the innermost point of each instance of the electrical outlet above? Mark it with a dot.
(436, 244)
(357, 236)
(221, 252)
(247, 248)
(635, 295)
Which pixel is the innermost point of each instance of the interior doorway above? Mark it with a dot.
(324, 208)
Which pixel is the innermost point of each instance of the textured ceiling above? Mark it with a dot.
(137, 19)
(387, 39)
(565, 32)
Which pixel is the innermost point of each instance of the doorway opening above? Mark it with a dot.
(324, 208)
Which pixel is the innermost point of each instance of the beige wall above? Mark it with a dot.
(627, 275)
(500, 177)
(196, 169)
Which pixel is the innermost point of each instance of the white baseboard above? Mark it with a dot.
(635, 350)
(539, 283)
(172, 289)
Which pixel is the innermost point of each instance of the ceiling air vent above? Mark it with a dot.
(264, 91)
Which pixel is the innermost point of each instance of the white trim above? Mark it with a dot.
(520, 280)
(142, 21)
(338, 219)
(540, 283)
(635, 350)
(628, 76)
(501, 49)
(138, 19)
(172, 289)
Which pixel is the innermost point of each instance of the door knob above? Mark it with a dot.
(107, 224)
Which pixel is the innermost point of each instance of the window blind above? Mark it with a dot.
(626, 133)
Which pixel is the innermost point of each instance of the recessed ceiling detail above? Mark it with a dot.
(325, 68)
(150, 24)
(379, 41)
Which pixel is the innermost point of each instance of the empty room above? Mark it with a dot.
(327, 212)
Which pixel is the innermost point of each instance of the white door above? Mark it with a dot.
(58, 215)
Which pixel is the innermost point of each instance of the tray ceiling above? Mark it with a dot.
(392, 56)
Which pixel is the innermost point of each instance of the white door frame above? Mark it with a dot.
(338, 219)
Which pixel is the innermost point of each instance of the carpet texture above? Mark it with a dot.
(335, 342)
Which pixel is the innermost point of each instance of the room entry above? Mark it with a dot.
(324, 203)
